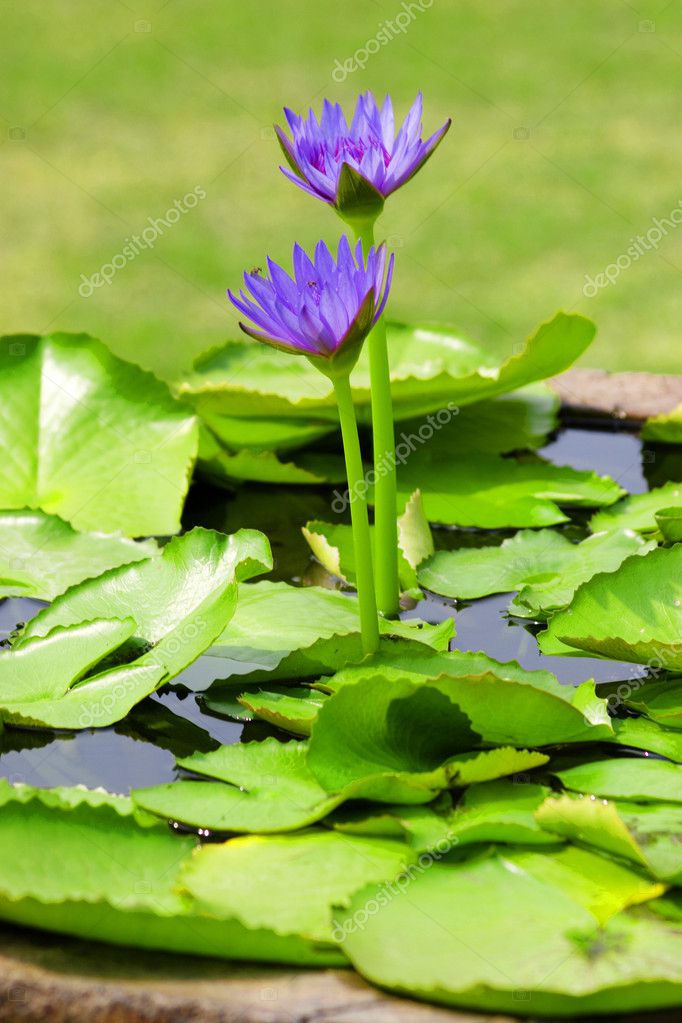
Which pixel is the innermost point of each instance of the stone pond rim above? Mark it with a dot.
(47, 978)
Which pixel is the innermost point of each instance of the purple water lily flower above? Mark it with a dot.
(325, 311)
(356, 167)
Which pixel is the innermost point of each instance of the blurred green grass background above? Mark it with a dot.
(565, 145)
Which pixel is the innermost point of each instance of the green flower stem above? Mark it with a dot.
(364, 572)
(383, 435)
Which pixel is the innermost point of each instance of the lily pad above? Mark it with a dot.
(401, 661)
(265, 433)
(602, 885)
(236, 448)
(113, 875)
(664, 429)
(636, 780)
(519, 421)
(660, 699)
(260, 787)
(41, 555)
(638, 511)
(647, 834)
(642, 734)
(43, 682)
(430, 368)
(309, 468)
(543, 565)
(180, 602)
(399, 735)
(293, 708)
(632, 614)
(91, 438)
(492, 492)
(466, 948)
(669, 522)
(500, 811)
(283, 632)
(289, 883)
(332, 544)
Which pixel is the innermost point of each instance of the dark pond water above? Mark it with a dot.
(142, 749)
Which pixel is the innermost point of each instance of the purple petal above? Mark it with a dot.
(305, 186)
(284, 286)
(293, 120)
(387, 124)
(387, 288)
(304, 270)
(324, 261)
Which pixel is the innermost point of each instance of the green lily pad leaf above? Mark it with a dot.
(543, 565)
(293, 708)
(641, 733)
(415, 541)
(486, 765)
(91, 438)
(669, 906)
(494, 492)
(647, 834)
(266, 787)
(180, 602)
(632, 614)
(669, 522)
(637, 780)
(500, 811)
(83, 864)
(519, 421)
(41, 555)
(638, 511)
(113, 875)
(424, 827)
(398, 735)
(659, 699)
(264, 433)
(236, 448)
(42, 683)
(467, 950)
(601, 885)
(290, 883)
(401, 661)
(309, 469)
(224, 703)
(283, 632)
(45, 668)
(431, 369)
(664, 429)
(332, 544)
(602, 552)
